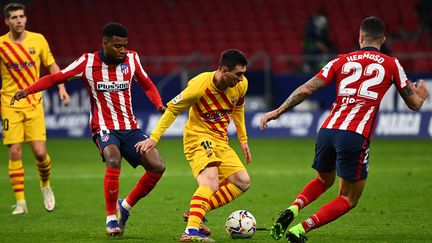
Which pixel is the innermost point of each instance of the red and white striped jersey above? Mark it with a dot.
(362, 79)
(109, 87)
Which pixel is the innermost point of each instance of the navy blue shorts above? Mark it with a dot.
(344, 151)
(125, 140)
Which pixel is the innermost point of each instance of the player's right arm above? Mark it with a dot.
(74, 70)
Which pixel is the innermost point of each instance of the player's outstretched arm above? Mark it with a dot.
(19, 95)
(415, 94)
(296, 97)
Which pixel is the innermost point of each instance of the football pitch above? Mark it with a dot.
(395, 206)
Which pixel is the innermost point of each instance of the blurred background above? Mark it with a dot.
(286, 41)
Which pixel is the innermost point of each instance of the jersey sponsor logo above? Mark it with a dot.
(124, 68)
(112, 86)
(218, 115)
(177, 98)
(20, 66)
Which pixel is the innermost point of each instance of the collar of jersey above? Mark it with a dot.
(368, 48)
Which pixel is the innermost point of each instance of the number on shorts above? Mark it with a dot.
(5, 123)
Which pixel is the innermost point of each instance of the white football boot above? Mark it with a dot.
(20, 208)
(48, 196)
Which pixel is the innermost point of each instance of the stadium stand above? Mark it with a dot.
(179, 28)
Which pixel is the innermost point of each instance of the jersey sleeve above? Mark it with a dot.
(146, 84)
(74, 70)
(399, 78)
(176, 106)
(239, 116)
(46, 55)
(328, 72)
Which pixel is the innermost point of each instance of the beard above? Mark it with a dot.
(116, 60)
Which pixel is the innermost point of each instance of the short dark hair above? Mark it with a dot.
(114, 29)
(373, 27)
(12, 7)
(231, 58)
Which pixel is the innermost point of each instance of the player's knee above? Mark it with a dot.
(352, 202)
(15, 152)
(39, 156)
(112, 162)
(212, 183)
(243, 183)
(160, 169)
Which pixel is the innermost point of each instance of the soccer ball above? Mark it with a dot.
(241, 224)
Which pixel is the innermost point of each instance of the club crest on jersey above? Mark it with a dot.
(124, 68)
(32, 50)
(234, 100)
(112, 86)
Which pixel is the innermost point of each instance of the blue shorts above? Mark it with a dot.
(125, 140)
(344, 151)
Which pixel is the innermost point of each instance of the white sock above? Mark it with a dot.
(126, 205)
(111, 218)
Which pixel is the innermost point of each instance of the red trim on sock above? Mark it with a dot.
(198, 206)
(224, 196)
(229, 192)
(197, 214)
(198, 198)
(211, 204)
(16, 175)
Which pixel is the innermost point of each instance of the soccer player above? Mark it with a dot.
(213, 98)
(342, 145)
(108, 76)
(21, 53)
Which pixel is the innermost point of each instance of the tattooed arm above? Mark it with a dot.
(298, 96)
(414, 95)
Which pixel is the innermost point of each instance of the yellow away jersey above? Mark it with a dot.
(210, 110)
(20, 67)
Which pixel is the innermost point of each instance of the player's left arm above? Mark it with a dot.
(147, 85)
(240, 123)
(414, 94)
(63, 94)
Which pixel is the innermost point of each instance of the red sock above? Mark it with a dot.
(327, 213)
(143, 187)
(111, 188)
(310, 192)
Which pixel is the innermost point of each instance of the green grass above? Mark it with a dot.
(395, 206)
